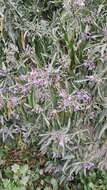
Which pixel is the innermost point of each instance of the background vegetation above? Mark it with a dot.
(53, 95)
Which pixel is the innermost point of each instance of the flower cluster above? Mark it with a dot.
(94, 78)
(53, 85)
(38, 77)
(87, 36)
(83, 96)
(66, 100)
(13, 101)
(74, 101)
(89, 165)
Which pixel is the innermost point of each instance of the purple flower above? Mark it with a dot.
(38, 77)
(13, 101)
(66, 99)
(25, 89)
(15, 89)
(62, 93)
(89, 165)
(76, 107)
(89, 64)
(3, 90)
(83, 96)
(94, 78)
(66, 102)
(40, 82)
(87, 36)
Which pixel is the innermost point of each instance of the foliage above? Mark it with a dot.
(53, 94)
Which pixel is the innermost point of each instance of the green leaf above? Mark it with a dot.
(24, 180)
(54, 183)
(91, 185)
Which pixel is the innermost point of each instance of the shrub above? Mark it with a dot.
(53, 93)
